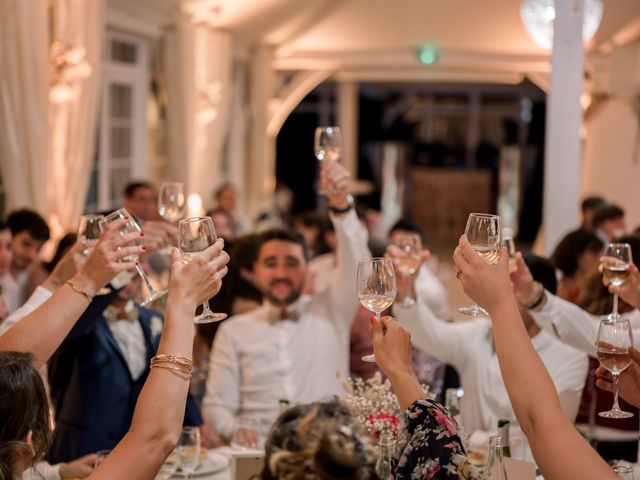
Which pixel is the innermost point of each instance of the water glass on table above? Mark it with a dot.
(189, 450)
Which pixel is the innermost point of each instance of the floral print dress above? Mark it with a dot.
(429, 447)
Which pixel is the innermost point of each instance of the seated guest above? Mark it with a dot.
(577, 257)
(294, 347)
(468, 346)
(324, 440)
(559, 450)
(154, 432)
(29, 232)
(609, 223)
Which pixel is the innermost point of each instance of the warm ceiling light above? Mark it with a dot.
(538, 15)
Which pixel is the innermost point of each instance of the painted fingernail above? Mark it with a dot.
(372, 319)
(142, 234)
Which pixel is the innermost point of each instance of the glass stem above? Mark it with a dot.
(616, 407)
(205, 308)
(615, 303)
(146, 281)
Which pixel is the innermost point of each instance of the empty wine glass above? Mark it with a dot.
(408, 262)
(614, 340)
(483, 233)
(189, 450)
(195, 235)
(89, 231)
(376, 288)
(171, 201)
(132, 226)
(615, 268)
(327, 145)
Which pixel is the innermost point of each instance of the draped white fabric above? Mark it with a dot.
(198, 76)
(24, 85)
(73, 125)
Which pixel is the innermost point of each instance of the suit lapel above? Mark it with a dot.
(107, 334)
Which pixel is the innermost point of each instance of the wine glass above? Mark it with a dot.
(483, 233)
(615, 268)
(189, 450)
(624, 471)
(171, 201)
(327, 145)
(169, 467)
(132, 226)
(408, 262)
(614, 340)
(88, 231)
(195, 235)
(376, 288)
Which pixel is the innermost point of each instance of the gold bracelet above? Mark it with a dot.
(79, 290)
(176, 370)
(173, 359)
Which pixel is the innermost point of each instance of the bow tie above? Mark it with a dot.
(115, 314)
(275, 316)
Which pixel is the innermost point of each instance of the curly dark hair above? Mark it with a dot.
(320, 440)
(23, 409)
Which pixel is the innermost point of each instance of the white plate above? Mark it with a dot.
(215, 462)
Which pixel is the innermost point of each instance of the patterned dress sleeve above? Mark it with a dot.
(430, 447)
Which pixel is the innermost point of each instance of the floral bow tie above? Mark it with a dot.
(275, 316)
(114, 314)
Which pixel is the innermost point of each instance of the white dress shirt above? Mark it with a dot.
(257, 359)
(469, 347)
(576, 327)
(14, 289)
(129, 336)
(431, 291)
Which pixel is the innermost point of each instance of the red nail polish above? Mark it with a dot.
(372, 320)
(144, 248)
(142, 234)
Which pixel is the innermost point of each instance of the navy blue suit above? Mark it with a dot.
(92, 389)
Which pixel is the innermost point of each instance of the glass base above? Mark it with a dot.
(616, 414)
(209, 317)
(152, 297)
(368, 358)
(613, 317)
(474, 311)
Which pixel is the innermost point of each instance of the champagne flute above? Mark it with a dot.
(376, 288)
(615, 268)
(171, 203)
(409, 262)
(195, 235)
(614, 340)
(189, 450)
(327, 145)
(483, 233)
(88, 231)
(132, 226)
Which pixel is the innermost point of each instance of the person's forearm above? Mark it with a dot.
(44, 329)
(407, 388)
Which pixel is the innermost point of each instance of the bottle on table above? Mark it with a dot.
(385, 448)
(494, 468)
(503, 431)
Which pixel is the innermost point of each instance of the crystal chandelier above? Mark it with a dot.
(538, 15)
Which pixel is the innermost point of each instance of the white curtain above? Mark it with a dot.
(73, 125)
(24, 85)
(199, 88)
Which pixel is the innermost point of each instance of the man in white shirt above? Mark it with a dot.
(294, 347)
(468, 346)
(29, 232)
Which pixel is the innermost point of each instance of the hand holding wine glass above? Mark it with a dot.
(483, 233)
(196, 235)
(376, 288)
(628, 380)
(407, 261)
(327, 146)
(89, 231)
(615, 265)
(614, 340)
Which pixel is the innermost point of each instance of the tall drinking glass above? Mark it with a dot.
(614, 340)
(189, 450)
(408, 262)
(327, 145)
(376, 288)
(615, 268)
(195, 235)
(171, 201)
(132, 226)
(483, 233)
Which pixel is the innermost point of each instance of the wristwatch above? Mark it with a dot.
(339, 211)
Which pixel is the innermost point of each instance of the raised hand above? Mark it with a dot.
(522, 280)
(335, 179)
(159, 234)
(630, 289)
(488, 285)
(628, 381)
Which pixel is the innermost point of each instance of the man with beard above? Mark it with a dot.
(295, 347)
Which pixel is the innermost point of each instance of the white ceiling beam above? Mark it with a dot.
(428, 75)
(628, 33)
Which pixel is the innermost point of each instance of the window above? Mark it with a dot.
(122, 147)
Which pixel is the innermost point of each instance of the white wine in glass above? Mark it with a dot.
(132, 226)
(409, 261)
(615, 268)
(484, 234)
(614, 340)
(327, 144)
(172, 201)
(376, 288)
(196, 234)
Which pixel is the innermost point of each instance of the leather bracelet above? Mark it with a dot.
(339, 211)
(79, 290)
(537, 300)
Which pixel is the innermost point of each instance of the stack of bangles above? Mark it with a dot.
(181, 366)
